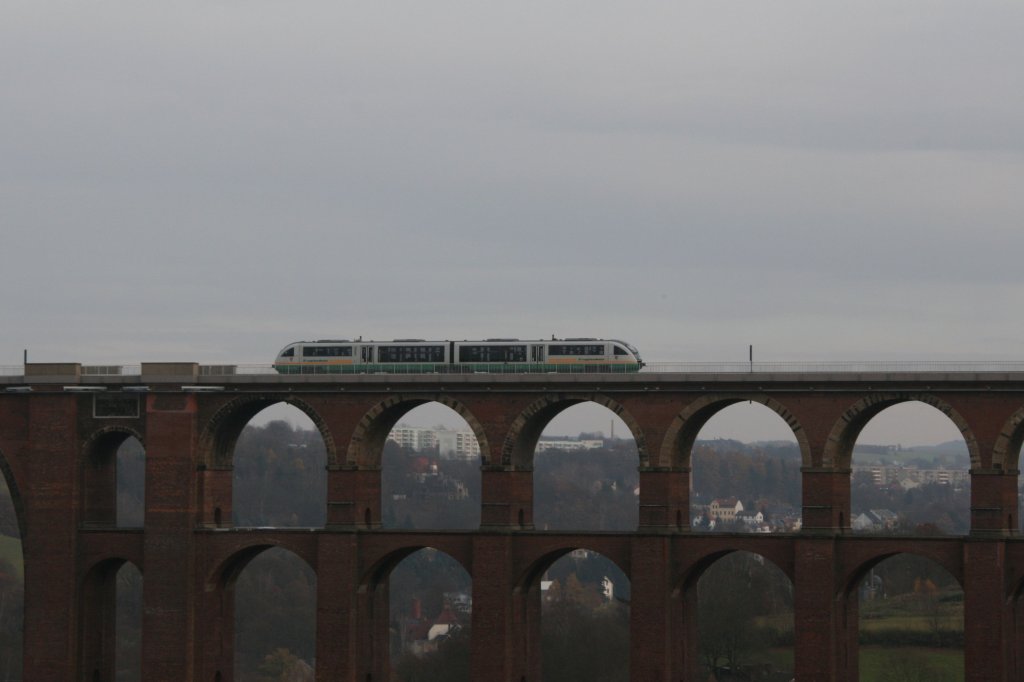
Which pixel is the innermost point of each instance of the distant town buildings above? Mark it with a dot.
(453, 444)
(730, 513)
(433, 484)
(910, 476)
(448, 442)
(725, 509)
(568, 444)
(421, 635)
(875, 519)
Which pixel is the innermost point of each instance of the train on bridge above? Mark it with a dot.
(406, 356)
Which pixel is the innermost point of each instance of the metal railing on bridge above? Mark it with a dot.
(842, 367)
(829, 367)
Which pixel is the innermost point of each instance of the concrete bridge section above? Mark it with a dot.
(59, 429)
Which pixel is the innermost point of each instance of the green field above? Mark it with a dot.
(10, 550)
(895, 664)
(900, 617)
(912, 664)
(913, 613)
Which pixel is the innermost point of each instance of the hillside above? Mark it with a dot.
(951, 454)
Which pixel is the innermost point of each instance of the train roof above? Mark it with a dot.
(570, 339)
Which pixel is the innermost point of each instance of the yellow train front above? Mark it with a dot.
(418, 356)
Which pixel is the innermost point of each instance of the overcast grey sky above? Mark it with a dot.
(210, 180)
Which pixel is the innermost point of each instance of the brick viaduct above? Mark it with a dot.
(59, 430)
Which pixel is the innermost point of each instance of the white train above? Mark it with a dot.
(490, 355)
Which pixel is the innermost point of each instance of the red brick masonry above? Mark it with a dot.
(56, 446)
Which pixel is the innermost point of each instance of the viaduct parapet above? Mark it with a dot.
(60, 427)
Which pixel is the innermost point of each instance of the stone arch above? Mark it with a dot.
(1015, 588)
(98, 471)
(227, 606)
(677, 447)
(839, 446)
(533, 572)
(105, 563)
(227, 569)
(717, 600)
(850, 607)
(380, 598)
(7, 472)
(855, 574)
(97, 620)
(380, 569)
(1006, 453)
(217, 441)
(1015, 602)
(689, 579)
(692, 574)
(109, 437)
(367, 444)
(534, 611)
(525, 431)
(529, 575)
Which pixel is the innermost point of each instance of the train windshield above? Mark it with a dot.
(632, 349)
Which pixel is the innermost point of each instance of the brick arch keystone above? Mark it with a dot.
(677, 448)
(380, 567)
(839, 446)
(367, 444)
(218, 438)
(7, 472)
(1006, 453)
(118, 433)
(523, 434)
(97, 467)
(776, 554)
(1015, 586)
(535, 566)
(853, 574)
(111, 561)
(227, 567)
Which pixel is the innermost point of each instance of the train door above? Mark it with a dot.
(366, 354)
(537, 353)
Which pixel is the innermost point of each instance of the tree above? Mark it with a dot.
(450, 663)
(732, 594)
(281, 665)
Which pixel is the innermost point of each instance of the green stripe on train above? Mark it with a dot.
(483, 368)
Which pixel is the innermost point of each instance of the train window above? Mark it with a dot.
(492, 353)
(289, 353)
(619, 350)
(410, 354)
(327, 351)
(576, 349)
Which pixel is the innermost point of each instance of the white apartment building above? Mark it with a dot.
(568, 444)
(463, 444)
(883, 474)
(450, 444)
(413, 438)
